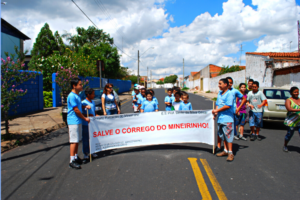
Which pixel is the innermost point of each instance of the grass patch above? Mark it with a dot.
(208, 91)
(185, 89)
(214, 99)
(195, 92)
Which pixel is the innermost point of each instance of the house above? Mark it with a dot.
(273, 69)
(11, 37)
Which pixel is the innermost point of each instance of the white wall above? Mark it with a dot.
(238, 77)
(197, 83)
(287, 80)
(206, 84)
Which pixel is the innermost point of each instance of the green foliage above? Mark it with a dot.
(45, 44)
(185, 89)
(132, 78)
(195, 92)
(11, 78)
(208, 91)
(214, 99)
(116, 89)
(228, 69)
(171, 79)
(159, 82)
(47, 99)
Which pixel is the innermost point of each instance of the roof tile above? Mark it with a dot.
(276, 54)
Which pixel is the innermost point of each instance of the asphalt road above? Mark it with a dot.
(261, 170)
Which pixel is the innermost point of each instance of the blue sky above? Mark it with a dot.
(185, 11)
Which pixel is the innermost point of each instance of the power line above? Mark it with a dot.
(98, 28)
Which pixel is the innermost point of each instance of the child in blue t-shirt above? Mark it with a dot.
(154, 98)
(225, 114)
(90, 95)
(149, 105)
(141, 98)
(74, 119)
(185, 105)
(168, 100)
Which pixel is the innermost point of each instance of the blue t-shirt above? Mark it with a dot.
(138, 96)
(91, 111)
(169, 100)
(225, 100)
(155, 99)
(141, 100)
(185, 106)
(74, 101)
(132, 93)
(235, 94)
(149, 106)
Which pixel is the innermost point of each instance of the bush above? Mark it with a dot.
(185, 88)
(214, 99)
(228, 69)
(47, 99)
(208, 91)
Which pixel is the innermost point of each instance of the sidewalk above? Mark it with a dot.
(202, 93)
(26, 128)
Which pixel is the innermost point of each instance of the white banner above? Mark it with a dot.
(140, 129)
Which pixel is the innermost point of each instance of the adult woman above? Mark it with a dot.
(292, 120)
(109, 103)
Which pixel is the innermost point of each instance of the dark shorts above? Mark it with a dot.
(240, 119)
(247, 113)
(256, 119)
(225, 131)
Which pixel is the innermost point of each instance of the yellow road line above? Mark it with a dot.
(200, 180)
(125, 102)
(213, 180)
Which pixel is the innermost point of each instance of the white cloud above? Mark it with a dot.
(138, 25)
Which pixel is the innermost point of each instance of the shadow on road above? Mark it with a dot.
(274, 125)
(293, 148)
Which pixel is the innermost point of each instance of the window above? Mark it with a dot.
(277, 94)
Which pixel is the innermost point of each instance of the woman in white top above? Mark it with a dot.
(109, 103)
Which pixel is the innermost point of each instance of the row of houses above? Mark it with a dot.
(271, 69)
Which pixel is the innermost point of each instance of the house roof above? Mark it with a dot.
(277, 55)
(193, 73)
(211, 65)
(161, 79)
(11, 30)
(243, 67)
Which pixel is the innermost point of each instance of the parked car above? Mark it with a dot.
(275, 109)
(97, 100)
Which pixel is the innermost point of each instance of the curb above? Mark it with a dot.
(27, 136)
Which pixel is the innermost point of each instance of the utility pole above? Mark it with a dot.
(147, 77)
(151, 77)
(183, 75)
(138, 74)
(241, 54)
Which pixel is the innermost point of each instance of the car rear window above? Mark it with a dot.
(277, 94)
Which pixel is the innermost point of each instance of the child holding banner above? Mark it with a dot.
(185, 105)
(168, 100)
(225, 119)
(74, 119)
(177, 101)
(90, 95)
(149, 105)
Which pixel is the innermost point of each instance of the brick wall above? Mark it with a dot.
(32, 101)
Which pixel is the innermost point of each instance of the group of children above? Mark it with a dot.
(234, 108)
(143, 100)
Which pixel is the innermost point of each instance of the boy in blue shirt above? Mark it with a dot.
(185, 105)
(168, 100)
(236, 94)
(133, 93)
(90, 95)
(154, 98)
(74, 119)
(225, 119)
(141, 98)
(149, 105)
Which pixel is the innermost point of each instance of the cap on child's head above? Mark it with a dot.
(136, 88)
(135, 85)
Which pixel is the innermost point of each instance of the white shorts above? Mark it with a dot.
(75, 133)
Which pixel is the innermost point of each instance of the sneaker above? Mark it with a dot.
(94, 155)
(223, 153)
(236, 137)
(217, 150)
(230, 157)
(78, 160)
(258, 137)
(243, 138)
(74, 165)
(285, 149)
(253, 137)
(85, 160)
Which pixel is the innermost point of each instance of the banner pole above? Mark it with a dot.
(87, 110)
(214, 130)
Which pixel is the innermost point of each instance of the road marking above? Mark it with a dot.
(125, 102)
(200, 180)
(213, 180)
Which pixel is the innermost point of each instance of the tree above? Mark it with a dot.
(171, 79)
(60, 43)
(11, 78)
(159, 82)
(228, 69)
(44, 45)
(132, 78)
(96, 45)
